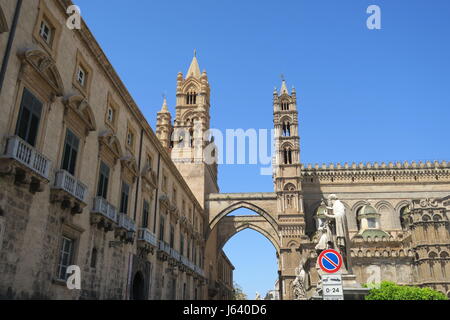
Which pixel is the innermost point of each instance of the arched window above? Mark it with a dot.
(284, 105)
(191, 97)
(404, 221)
(286, 129)
(287, 156)
(191, 137)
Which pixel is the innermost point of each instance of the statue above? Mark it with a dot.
(299, 283)
(340, 231)
(325, 237)
(258, 296)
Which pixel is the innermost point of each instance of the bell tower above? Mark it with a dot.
(288, 188)
(193, 151)
(286, 163)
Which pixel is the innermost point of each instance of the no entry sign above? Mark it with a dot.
(330, 261)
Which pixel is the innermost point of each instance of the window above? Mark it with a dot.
(191, 97)
(81, 76)
(110, 115)
(284, 105)
(172, 236)
(94, 258)
(371, 223)
(124, 198)
(161, 228)
(164, 183)
(145, 212)
(70, 152)
(65, 257)
(287, 156)
(188, 249)
(130, 139)
(286, 129)
(174, 195)
(149, 163)
(182, 245)
(29, 117)
(103, 181)
(46, 32)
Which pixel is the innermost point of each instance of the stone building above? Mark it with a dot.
(85, 181)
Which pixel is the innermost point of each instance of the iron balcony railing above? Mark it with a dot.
(68, 183)
(175, 254)
(199, 271)
(145, 235)
(164, 246)
(104, 208)
(184, 260)
(21, 151)
(125, 222)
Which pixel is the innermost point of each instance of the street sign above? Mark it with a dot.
(332, 287)
(330, 261)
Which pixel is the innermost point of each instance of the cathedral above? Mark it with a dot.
(95, 204)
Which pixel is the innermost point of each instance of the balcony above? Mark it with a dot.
(175, 255)
(25, 163)
(163, 250)
(146, 240)
(126, 228)
(104, 214)
(69, 191)
(199, 271)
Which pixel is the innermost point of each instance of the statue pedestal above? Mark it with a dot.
(351, 288)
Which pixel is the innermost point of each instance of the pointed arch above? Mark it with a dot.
(289, 187)
(249, 225)
(246, 205)
(191, 84)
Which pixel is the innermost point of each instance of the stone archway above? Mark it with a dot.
(284, 230)
(138, 287)
(232, 225)
(220, 205)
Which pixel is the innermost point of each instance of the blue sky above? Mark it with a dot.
(364, 95)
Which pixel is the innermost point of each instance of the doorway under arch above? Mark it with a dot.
(138, 287)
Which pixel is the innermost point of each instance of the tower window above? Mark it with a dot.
(287, 156)
(284, 105)
(191, 98)
(286, 129)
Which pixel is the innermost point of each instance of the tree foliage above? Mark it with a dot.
(391, 291)
(239, 293)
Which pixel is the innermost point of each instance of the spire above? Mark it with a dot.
(194, 69)
(284, 88)
(164, 108)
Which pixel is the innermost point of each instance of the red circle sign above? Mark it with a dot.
(330, 261)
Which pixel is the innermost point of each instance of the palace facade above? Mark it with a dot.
(86, 182)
